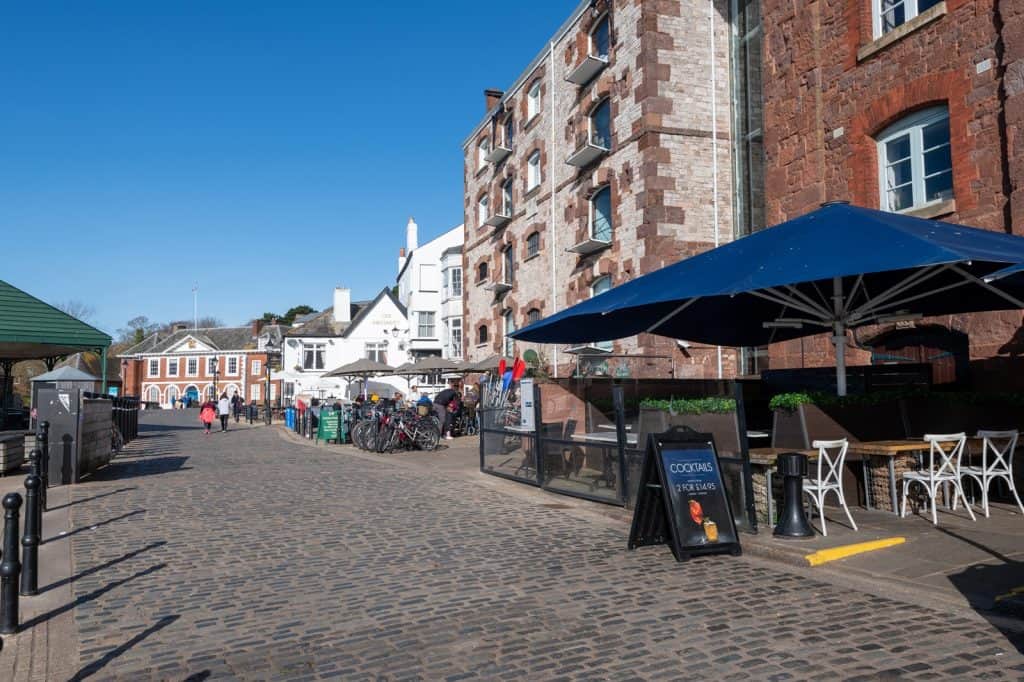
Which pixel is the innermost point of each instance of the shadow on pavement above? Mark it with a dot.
(140, 466)
(95, 594)
(90, 499)
(95, 666)
(93, 526)
(995, 592)
(103, 566)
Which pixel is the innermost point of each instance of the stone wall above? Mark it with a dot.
(94, 449)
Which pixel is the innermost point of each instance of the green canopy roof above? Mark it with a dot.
(30, 328)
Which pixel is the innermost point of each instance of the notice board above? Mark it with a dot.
(682, 500)
(328, 426)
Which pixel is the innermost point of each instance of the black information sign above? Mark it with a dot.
(682, 501)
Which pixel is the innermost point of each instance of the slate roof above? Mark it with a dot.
(66, 374)
(219, 338)
(90, 364)
(323, 325)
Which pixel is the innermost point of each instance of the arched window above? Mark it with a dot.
(915, 161)
(509, 131)
(533, 244)
(601, 285)
(506, 196)
(153, 394)
(508, 347)
(533, 315)
(600, 38)
(508, 260)
(172, 393)
(533, 170)
(533, 100)
(601, 125)
(483, 210)
(481, 272)
(601, 214)
(481, 334)
(482, 150)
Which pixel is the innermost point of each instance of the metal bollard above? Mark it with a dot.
(30, 541)
(792, 520)
(9, 567)
(43, 444)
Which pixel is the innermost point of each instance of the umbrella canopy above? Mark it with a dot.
(431, 364)
(405, 370)
(487, 365)
(363, 367)
(840, 266)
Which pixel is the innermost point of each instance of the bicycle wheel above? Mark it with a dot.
(427, 436)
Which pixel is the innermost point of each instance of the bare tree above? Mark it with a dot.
(77, 309)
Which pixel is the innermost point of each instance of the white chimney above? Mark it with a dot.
(410, 236)
(342, 304)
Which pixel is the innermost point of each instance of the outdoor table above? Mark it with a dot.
(759, 434)
(765, 457)
(604, 437)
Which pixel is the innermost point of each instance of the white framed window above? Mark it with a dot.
(915, 161)
(601, 285)
(254, 391)
(533, 170)
(601, 214)
(455, 338)
(211, 366)
(600, 38)
(153, 394)
(233, 365)
(172, 367)
(533, 100)
(483, 210)
(192, 367)
(889, 14)
(482, 150)
(153, 368)
(508, 346)
(172, 393)
(506, 196)
(533, 244)
(256, 367)
(455, 277)
(425, 328)
(600, 124)
(273, 391)
(313, 355)
(428, 277)
(377, 351)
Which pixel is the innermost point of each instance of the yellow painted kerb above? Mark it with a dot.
(825, 555)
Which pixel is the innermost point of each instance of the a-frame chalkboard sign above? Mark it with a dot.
(682, 500)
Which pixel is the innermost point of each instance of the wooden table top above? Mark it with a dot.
(893, 448)
(767, 456)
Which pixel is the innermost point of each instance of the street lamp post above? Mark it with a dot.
(270, 349)
(216, 373)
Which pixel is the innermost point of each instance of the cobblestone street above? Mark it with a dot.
(251, 555)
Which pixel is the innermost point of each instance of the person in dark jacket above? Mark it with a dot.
(446, 404)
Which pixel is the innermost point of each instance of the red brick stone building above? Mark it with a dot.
(908, 105)
(201, 363)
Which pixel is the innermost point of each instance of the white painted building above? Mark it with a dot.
(341, 334)
(430, 288)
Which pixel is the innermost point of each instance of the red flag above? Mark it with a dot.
(518, 369)
(501, 367)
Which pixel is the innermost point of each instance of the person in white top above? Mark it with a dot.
(224, 411)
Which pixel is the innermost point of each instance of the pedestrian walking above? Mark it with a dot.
(224, 410)
(207, 413)
(236, 405)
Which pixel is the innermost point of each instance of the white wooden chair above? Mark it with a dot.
(831, 454)
(943, 468)
(996, 462)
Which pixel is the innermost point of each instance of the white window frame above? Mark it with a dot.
(483, 148)
(211, 366)
(590, 123)
(149, 394)
(257, 366)
(190, 370)
(232, 359)
(483, 208)
(533, 178)
(322, 348)
(254, 391)
(455, 337)
(375, 350)
(605, 18)
(172, 362)
(426, 319)
(149, 368)
(508, 324)
(910, 11)
(912, 125)
(592, 203)
(455, 281)
(533, 103)
(507, 194)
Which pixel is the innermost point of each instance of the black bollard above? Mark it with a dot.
(30, 540)
(9, 567)
(43, 444)
(792, 466)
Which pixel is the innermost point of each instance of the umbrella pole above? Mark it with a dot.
(839, 334)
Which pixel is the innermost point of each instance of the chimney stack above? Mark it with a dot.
(491, 98)
(257, 327)
(411, 236)
(342, 305)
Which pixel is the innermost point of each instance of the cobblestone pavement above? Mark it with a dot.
(251, 555)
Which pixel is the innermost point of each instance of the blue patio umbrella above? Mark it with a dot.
(835, 268)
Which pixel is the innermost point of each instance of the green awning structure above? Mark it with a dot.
(31, 329)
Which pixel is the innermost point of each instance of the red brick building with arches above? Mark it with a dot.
(907, 105)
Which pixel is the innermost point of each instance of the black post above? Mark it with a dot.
(9, 567)
(792, 466)
(30, 541)
(43, 444)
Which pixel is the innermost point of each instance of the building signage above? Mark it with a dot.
(682, 500)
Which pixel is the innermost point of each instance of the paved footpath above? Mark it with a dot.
(251, 555)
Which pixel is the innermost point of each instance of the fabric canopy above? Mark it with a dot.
(361, 367)
(840, 266)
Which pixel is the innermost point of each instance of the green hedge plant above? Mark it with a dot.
(692, 405)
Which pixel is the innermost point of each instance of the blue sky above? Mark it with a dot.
(268, 151)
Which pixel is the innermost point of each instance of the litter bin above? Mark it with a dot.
(289, 417)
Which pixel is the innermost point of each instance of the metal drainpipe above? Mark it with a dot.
(714, 144)
(551, 224)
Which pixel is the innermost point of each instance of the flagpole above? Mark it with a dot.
(195, 306)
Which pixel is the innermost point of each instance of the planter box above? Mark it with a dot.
(12, 452)
(723, 427)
